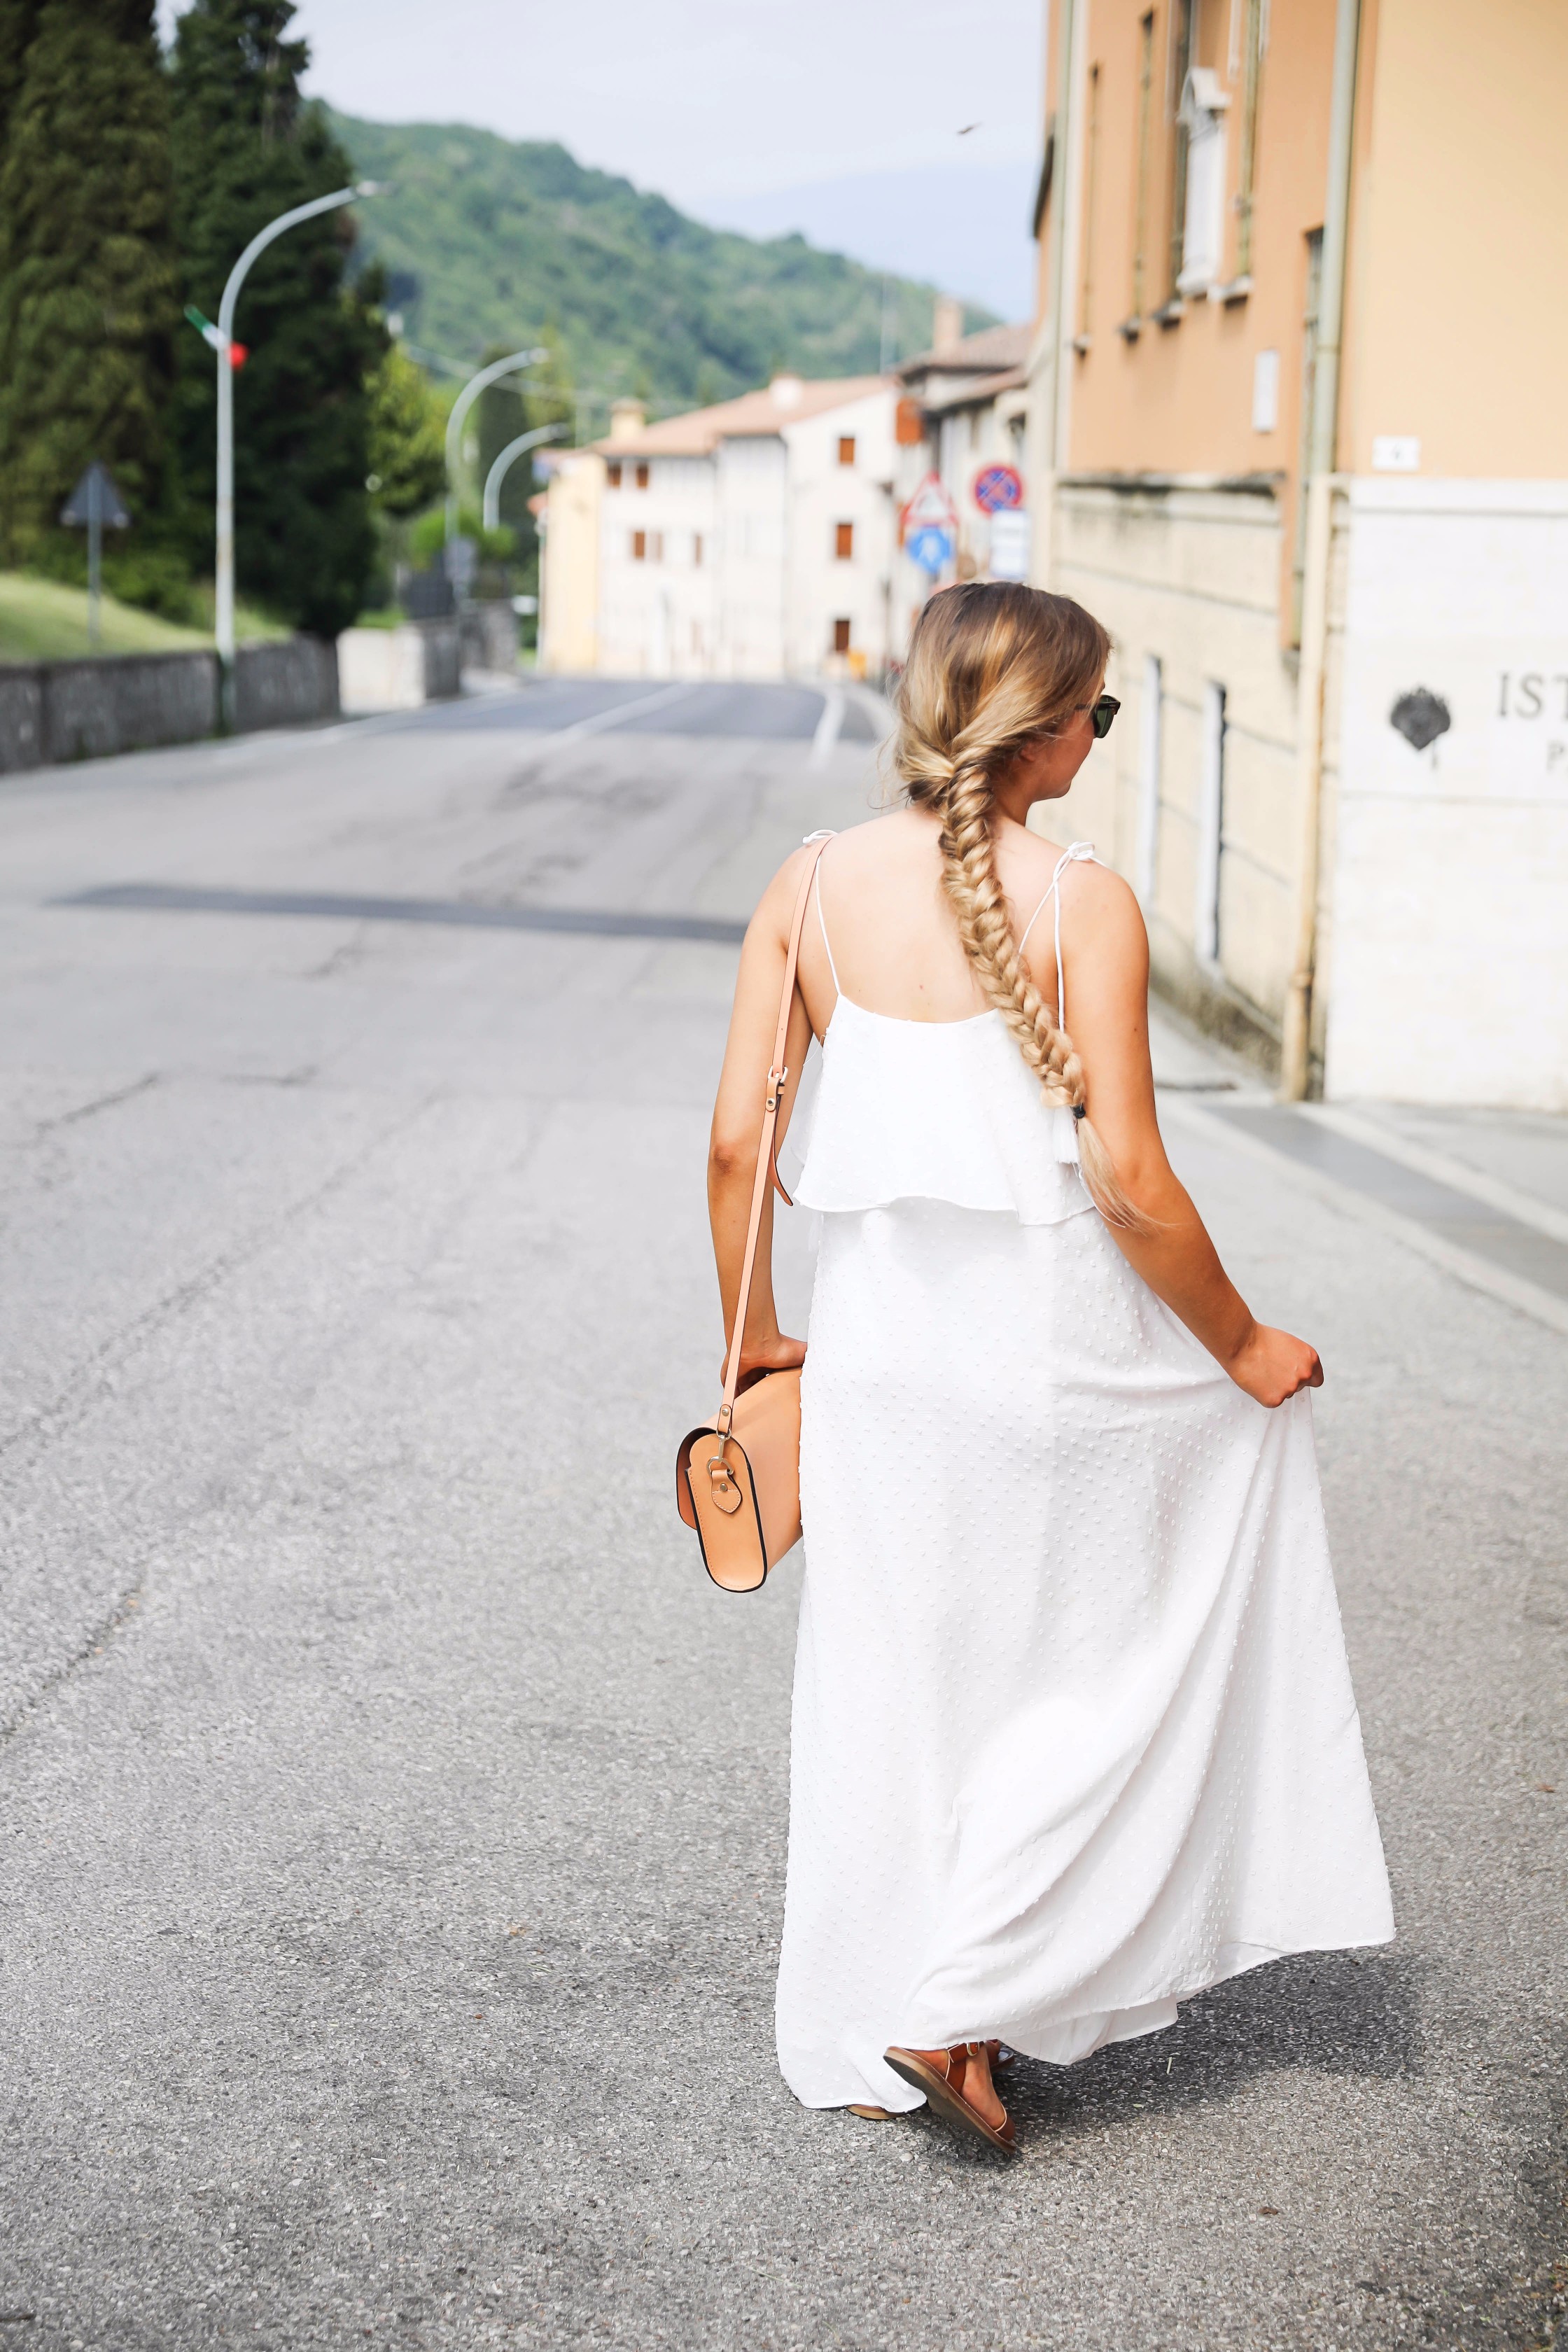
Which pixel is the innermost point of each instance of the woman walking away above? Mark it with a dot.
(1073, 1728)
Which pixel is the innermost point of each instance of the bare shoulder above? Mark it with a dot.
(1103, 932)
(1087, 887)
(776, 907)
(1105, 895)
(855, 850)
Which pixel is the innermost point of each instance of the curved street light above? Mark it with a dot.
(221, 339)
(460, 407)
(503, 464)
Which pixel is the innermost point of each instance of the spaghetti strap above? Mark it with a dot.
(1072, 855)
(822, 927)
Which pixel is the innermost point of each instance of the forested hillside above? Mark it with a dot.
(486, 242)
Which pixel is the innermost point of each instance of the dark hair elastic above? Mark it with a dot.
(1080, 1110)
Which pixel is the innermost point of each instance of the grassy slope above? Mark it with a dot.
(41, 620)
(490, 243)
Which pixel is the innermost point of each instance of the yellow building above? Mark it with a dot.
(1297, 433)
(568, 518)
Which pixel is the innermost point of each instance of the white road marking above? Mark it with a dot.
(828, 727)
(600, 719)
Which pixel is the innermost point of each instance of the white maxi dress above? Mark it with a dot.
(1073, 1730)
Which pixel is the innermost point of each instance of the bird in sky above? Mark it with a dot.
(967, 129)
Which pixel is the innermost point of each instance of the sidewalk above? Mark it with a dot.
(1483, 1193)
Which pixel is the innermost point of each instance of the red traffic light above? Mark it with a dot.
(237, 356)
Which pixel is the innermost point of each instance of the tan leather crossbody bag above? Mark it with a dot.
(737, 1477)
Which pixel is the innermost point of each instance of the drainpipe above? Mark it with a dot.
(1321, 484)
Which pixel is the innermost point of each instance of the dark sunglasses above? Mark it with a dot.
(1101, 715)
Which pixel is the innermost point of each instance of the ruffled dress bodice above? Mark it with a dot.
(936, 1110)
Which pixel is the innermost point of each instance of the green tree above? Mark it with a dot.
(246, 148)
(18, 23)
(407, 435)
(86, 273)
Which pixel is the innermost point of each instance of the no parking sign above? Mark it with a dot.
(998, 488)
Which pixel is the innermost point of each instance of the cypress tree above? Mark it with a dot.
(86, 276)
(18, 23)
(247, 147)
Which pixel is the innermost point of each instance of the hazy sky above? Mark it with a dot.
(702, 99)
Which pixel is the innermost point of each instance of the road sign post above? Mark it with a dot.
(94, 503)
(928, 527)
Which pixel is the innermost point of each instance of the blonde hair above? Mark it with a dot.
(993, 666)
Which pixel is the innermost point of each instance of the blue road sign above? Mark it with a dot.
(929, 547)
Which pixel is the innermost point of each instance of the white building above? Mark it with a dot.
(752, 539)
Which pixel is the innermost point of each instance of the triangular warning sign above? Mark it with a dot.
(930, 506)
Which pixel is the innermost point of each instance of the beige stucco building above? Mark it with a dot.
(1297, 433)
(750, 540)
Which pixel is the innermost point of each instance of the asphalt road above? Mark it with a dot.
(394, 1817)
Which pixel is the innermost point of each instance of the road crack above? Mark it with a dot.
(93, 1378)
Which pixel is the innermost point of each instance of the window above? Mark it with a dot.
(1150, 713)
(846, 448)
(655, 546)
(1141, 200)
(840, 636)
(613, 474)
(642, 477)
(640, 547)
(844, 541)
(1203, 105)
(1182, 31)
(697, 551)
(1211, 828)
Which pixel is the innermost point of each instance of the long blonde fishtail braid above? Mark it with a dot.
(993, 664)
(969, 876)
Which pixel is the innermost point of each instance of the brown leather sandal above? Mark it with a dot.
(933, 2072)
(871, 2114)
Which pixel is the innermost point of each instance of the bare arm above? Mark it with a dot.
(738, 1122)
(1106, 948)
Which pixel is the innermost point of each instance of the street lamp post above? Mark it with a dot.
(503, 464)
(460, 407)
(221, 339)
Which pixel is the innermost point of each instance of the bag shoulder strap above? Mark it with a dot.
(767, 1149)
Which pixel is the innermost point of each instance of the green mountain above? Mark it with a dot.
(489, 244)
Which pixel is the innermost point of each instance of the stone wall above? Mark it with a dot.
(288, 684)
(56, 711)
(490, 636)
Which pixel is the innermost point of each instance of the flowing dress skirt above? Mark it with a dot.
(1073, 1728)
